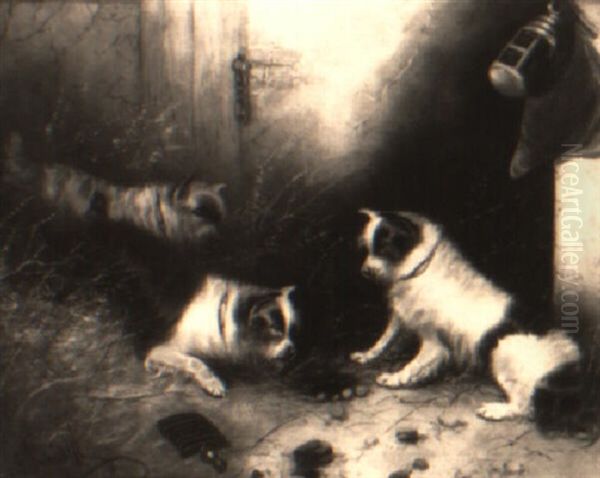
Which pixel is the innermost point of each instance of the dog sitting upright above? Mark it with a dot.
(230, 321)
(459, 315)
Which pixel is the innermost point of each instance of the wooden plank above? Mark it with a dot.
(152, 26)
(218, 36)
(179, 51)
(167, 56)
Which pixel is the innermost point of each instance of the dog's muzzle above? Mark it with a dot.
(369, 273)
(285, 352)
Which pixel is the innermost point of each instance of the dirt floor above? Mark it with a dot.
(76, 402)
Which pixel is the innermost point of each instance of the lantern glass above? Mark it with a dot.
(511, 56)
(524, 38)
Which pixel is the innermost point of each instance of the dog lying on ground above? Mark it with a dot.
(230, 321)
(461, 317)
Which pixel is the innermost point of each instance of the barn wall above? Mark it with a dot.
(91, 47)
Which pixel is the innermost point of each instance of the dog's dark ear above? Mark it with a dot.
(392, 245)
(364, 217)
(184, 188)
(367, 213)
(259, 300)
(219, 188)
(270, 293)
(396, 236)
(289, 292)
(402, 223)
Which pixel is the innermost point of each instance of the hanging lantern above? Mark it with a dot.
(523, 64)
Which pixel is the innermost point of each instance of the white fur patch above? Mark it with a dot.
(198, 330)
(450, 297)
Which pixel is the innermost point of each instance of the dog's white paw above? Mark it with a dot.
(496, 411)
(391, 380)
(407, 377)
(192, 369)
(362, 357)
(214, 387)
(209, 382)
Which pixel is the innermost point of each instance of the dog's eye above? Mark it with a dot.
(381, 239)
(266, 320)
(391, 244)
(207, 208)
(383, 233)
(265, 329)
(259, 322)
(276, 320)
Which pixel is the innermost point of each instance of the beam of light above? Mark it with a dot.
(341, 45)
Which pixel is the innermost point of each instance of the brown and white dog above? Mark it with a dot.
(459, 315)
(230, 321)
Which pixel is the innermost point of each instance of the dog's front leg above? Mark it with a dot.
(431, 358)
(164, 357)
(378, 348)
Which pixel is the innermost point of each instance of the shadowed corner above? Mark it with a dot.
(554, 119)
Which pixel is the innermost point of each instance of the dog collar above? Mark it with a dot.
(160, 219)
(422, 266)
(222, 306)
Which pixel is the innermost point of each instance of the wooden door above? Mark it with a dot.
(186, 51)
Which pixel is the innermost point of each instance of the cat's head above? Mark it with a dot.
(392, 241)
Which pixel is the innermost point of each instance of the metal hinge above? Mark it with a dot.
(265, 76)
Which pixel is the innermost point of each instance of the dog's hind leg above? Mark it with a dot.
(518, 402)
(429, 361)
(164, 357)
(519, 363)
(379, 347)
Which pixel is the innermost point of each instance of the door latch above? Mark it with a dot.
(241, 67)
(274, 68)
